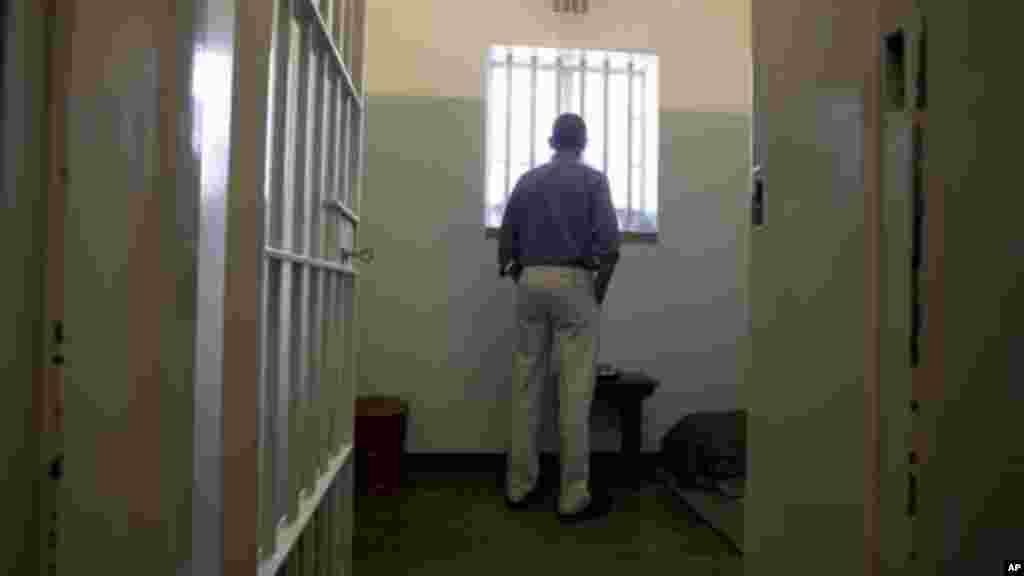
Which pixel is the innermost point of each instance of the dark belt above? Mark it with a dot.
(577, 263)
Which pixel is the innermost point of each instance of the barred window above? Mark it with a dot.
(616, 93)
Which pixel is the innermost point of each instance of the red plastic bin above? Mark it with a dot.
(380, 430)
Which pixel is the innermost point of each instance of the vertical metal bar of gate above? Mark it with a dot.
(357, 154)
(341, 158)
(277, 115)
(287, 394)
(270, 509)
(330, 356)
(310, 132)
(324, 157)
(300, 293)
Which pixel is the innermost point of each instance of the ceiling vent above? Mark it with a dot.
(571, 6)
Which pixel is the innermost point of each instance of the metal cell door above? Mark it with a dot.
(315, 115)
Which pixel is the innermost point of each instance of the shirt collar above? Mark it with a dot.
(566, 156)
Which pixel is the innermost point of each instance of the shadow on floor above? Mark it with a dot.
(451, 525)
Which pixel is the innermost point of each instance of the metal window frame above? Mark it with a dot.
(565, 92)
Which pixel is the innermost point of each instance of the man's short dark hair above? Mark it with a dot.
(569, 133)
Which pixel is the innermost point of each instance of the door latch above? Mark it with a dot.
(365, 255)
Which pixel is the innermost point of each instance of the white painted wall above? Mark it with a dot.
(438, 327)
(437, 47)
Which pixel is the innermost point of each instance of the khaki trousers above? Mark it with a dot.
(556, 309)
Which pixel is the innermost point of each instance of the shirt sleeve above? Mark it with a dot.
(606, 224)
(508, 237)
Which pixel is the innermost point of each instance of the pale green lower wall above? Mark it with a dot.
(438, 325)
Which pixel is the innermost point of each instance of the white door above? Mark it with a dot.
(805, 392)
(130, 292)
(211, 278)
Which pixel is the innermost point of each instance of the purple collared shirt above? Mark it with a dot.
(559, 213)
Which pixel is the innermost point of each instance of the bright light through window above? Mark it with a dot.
(617, 95)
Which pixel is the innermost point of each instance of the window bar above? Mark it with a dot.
(533, 110)
(559, 89)
(583, 85)
(629, 145)
(643, 143)
(508, 124)
(607, 107)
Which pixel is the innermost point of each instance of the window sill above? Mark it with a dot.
(627, 237)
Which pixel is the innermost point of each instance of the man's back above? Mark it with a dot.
(559, 214)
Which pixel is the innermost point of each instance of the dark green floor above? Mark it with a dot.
(457, 524)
